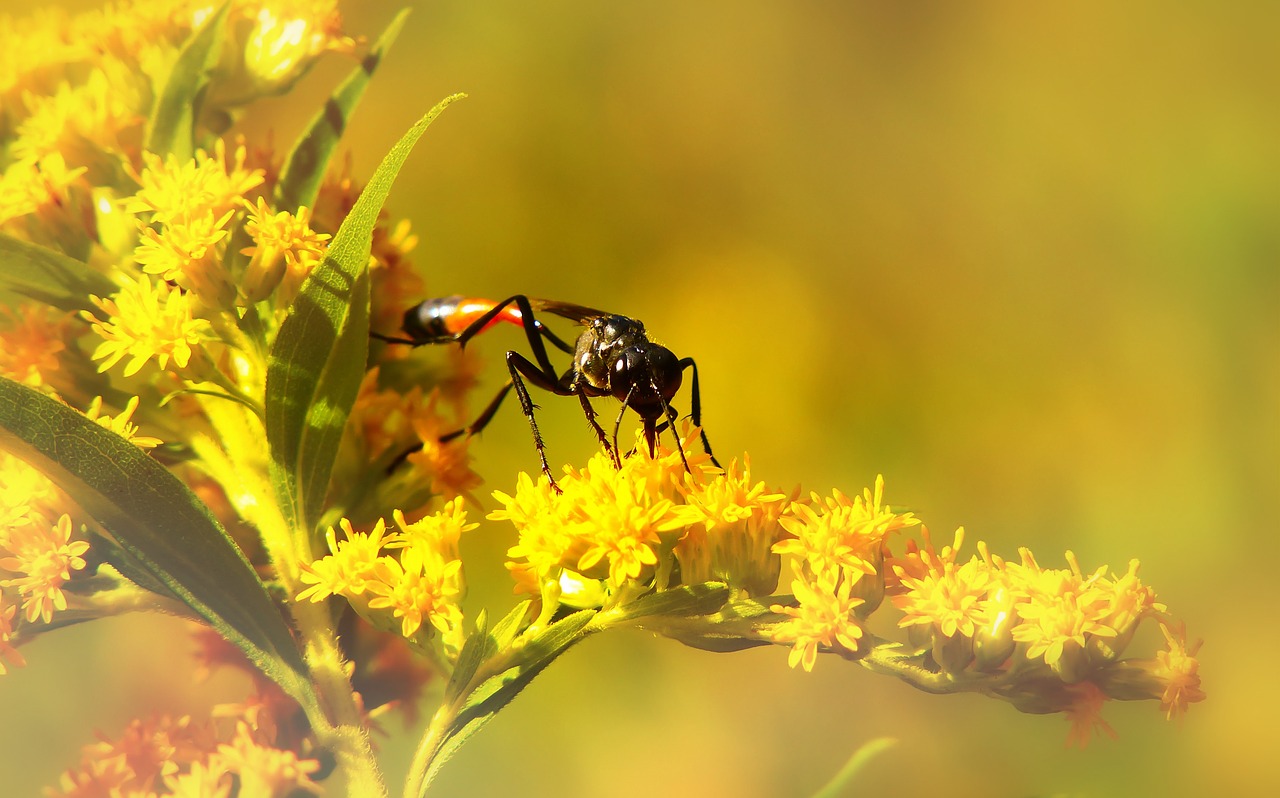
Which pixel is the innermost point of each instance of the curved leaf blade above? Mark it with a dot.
(49, 277)
(317, 362)
(486, 699)
(158, 522)
(305, 167)
(171, 127)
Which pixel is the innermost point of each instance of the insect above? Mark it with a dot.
(613, 356)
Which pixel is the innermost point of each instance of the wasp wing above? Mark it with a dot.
(579, 313)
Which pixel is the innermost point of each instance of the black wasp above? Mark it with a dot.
(613, 356)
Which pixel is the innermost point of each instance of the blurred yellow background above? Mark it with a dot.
(1021, 260)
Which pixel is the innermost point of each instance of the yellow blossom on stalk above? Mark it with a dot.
(383, 417)
(841, 539)
(147, 320)
(951, 597)
(395, 285)
(94, 112)
(121, 424)
(38, 186)
(26, 495)
(824, 615)
(421, 583)
(1179, 671)
(440, 532)
(446, 465)
(201, 781)
(733, 526)
(1085, 714)
(44, 556)
(266, 771)
(1058, 610)
(348, 568)
(284, 252)
(175, 190)
(287, 35)
(606, 525)
(7, 651)
(420, 586)
(187, 252)
(32, 340)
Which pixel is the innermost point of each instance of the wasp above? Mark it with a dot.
(613, 356)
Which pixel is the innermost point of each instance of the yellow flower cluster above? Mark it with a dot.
(613, 531)
(1046, 640)
(409, 581)
(167, 756)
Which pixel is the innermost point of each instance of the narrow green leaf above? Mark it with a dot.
(318, 359)
(305, 167)
(48, 276)
(700, 599)
(841, 783)
(496, 692)
(482, 644)
(171, 127)
(160, 525)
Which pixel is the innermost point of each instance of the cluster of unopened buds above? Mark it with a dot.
(203, 412)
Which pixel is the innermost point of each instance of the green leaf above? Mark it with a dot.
(701, 599)
(840, 784)
(171, 127)
(318, 359)
(48, 276)
(482, 644)
(158, 523)
(495, 692)
(305, 167)
(734, 626)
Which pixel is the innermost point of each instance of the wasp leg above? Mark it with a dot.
(695, 409)
(590, 413)
(483, 419)
(521, 366)
(617, 423)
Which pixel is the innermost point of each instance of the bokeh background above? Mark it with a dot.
(1021, 260)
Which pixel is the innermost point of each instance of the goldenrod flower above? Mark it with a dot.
(841, 539)
(147, 320)
(32, 340)
(1085, 714)
(348, 568)
(201, 781)
(41, 186)
(121, 424)
(1179, 671)
(606, 525)
(1058, 611)
(950, 598)
(284, 252)
(446, 466)
(266, 771)
(733, 525)
(824, 615)
(7, 651)
(175, 191)
(44, 556)
(287, 36)
(421, 583)
(26, 495)
(189, 252)
(421, 586)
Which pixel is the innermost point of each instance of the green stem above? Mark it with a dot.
(433, 739)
